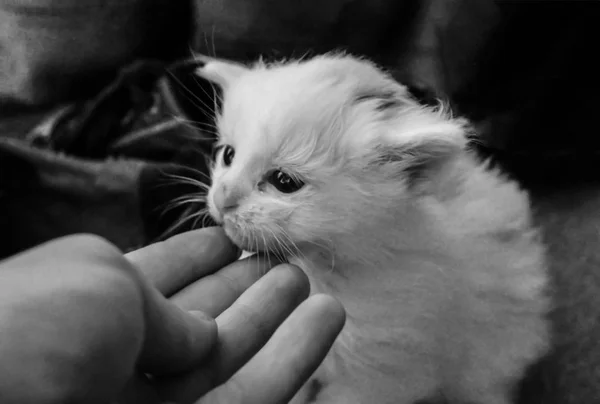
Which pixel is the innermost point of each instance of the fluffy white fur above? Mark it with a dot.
(432, 253)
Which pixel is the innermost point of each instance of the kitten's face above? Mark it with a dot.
(298, 149)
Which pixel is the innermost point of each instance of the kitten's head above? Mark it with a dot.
(311, 149)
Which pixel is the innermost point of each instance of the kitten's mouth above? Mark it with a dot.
(245, 243)
(233, 232)
(253, 242)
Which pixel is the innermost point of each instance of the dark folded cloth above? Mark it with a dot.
(112, 165)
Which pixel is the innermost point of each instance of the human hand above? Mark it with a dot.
(81, 325)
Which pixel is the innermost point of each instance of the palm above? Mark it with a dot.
(253, 314)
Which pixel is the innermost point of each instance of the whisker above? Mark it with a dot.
(192, 198)
(196, 126)
(170, 207)
(285, 250)
(200, 216)
(191, 217)
(214, 48)
(195, 183)
(195, 98)
(199, 184)
(266, 247)
(179, 204)
(192, 121)
(205, 36)
(199, 130)
(199, 172)
(297, 251)
(190, 181)
(180, 223)
(216, 96)
(202, 188)
(258, 270)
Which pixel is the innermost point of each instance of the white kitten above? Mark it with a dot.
(377, 198)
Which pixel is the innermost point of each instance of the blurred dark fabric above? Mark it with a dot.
(534, 92)
(55, 50)
(107, 165)
(91, 92)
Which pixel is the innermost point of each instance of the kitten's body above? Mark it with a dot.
(447, 305)
(431, 253)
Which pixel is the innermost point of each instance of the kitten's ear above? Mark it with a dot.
(219, 71)
(420, 157)
(387, 99)
(413, 140)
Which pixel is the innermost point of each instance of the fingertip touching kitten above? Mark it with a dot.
(331, 162)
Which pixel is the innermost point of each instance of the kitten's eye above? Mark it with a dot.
(284, 182)
(228, 154)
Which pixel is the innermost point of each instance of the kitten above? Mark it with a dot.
(379, 200)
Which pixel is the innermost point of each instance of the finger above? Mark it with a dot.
(216, 292)
(243, 329)
(180, 260)
(294, 352)
(213, 293)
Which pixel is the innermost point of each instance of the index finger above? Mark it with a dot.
(173, 264)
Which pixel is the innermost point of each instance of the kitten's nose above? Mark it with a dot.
(226, 198)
